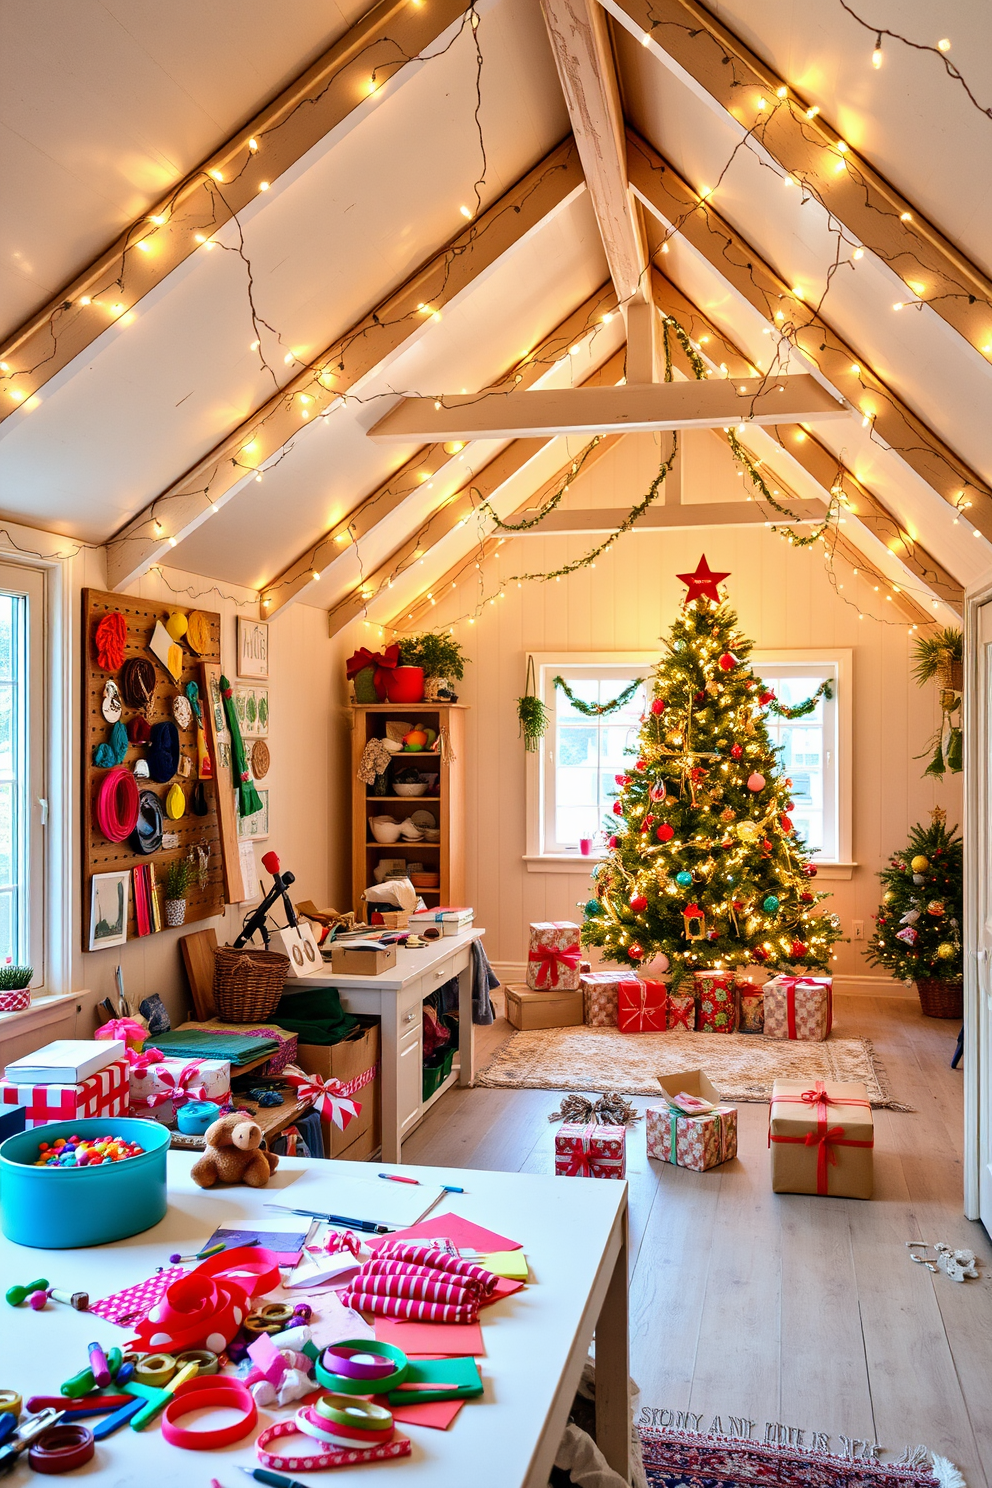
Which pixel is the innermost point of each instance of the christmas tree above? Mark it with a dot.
(918, 924)
(705, 869)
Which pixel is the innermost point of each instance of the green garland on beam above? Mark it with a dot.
(801, 710)
(596, 710)
(551, 502)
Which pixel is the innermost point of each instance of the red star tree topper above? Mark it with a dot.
(702, 584)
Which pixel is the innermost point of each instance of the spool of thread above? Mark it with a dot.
(207, 1361)
(17, 1294)
(155, 1370)
(10, 1401)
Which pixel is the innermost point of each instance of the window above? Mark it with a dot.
(22, 768)
(570, 781)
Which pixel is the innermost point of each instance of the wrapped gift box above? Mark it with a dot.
(600, 997)
(158, 1089)
(553, 956)
(105, 1093)
(693, 1129)
(642, 1005)
(716, 1001)
(750, 1008)
(681, 1011)
(821, 1136)
(798, 1008)
(590, 1151)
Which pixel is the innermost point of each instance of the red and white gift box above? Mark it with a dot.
(158, 1089)
(591, 1151)
(600, 997)
(798, 1008)
(102, 1094)
(697, 1142)
(681, 1011)
(716, 1001)
(553, 956)
(642, 1006)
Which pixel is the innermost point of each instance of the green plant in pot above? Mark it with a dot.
(441, 659)
(15, 988)
(177, 881)
(940, 658)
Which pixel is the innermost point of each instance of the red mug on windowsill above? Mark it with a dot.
(585, 846)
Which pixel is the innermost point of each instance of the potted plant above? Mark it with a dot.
(15, 988)
(441, 659)
(177, 877)
(940, 657)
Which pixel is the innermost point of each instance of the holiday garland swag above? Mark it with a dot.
(704, 867)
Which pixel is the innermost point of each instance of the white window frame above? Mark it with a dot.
(539, 764)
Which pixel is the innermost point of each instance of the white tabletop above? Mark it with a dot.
(564, 1224)
(409, 966)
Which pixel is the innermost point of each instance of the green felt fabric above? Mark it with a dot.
(316, 1016)
(203, 1043)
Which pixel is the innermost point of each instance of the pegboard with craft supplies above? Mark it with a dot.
(149, 798)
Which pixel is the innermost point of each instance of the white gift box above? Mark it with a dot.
(159, 1089)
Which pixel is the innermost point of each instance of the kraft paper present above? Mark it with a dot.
(697, 1142)
(553, 956)
(591, 1151)
(642, 1005)
(798, 1008)
(750, 1008)
(716, 1001)
(600, 997)
(526, 1009)
(821, 1135)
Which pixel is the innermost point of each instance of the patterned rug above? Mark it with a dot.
(678, 1459)
(741, 1065)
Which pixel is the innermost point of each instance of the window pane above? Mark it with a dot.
(6, 731)
(590, 753)
(8, 939)
(8, 605)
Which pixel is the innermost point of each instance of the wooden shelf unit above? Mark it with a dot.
(447, 803)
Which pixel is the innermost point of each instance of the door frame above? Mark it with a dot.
(977, 737)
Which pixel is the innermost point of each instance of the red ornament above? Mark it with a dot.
(622, 779)
(766, 846)
(648, 819)
(638, 903)
(790, 805)
(658, 706)
(617, 809)
(786, 824)
(727, 661)
(665, 833)
(635, 951)
(798, 949)
(765, 697)
(806, 897)
(736, 751)
(810, 870)
(702, 584)
(614, 842)
(641, 765)
(759, 954)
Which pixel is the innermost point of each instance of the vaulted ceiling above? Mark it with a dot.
(231, 238)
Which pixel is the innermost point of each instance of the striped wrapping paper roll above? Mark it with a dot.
(470, 1287)
(404, 1307)
(419, 1287)
(438, 1260)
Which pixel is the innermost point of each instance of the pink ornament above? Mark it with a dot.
(755, 782)
(909, 935)
(659, 964)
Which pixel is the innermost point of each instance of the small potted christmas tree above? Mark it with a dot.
(177, 877)
(918, 925)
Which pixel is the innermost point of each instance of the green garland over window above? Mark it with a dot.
(801, 710)
(597, 710)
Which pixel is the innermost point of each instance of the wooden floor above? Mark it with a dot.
(782, 1308)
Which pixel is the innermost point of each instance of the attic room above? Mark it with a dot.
(495, 651)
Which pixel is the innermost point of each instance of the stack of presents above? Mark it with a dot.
(820, 1133)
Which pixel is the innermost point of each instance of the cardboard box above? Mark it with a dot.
(690, 1082)
(702, 1140)
(354, 960)
(823, 1146)
(526, 1009)
(355, 1058)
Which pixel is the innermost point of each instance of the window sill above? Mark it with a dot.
(835, 870)
(576, 863)
(48, 1008)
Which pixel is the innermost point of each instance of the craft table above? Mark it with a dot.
(396, 997)
(574, 1233)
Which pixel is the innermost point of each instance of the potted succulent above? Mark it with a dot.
(177, 877)
(441, 659)
(15, 988)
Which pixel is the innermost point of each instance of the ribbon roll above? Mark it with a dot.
(312, 1424)
(302, 1461)
(345, 1410)
(10, 1401)
(156, 1370)
(218, 1392)
(358, 1361)
(60, 1449)
(117, 804)
(342, 1384)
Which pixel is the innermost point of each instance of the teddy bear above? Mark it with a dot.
(233, 1154)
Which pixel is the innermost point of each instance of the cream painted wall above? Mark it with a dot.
(784, 599)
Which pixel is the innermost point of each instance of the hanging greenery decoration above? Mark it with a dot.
(801, 710)
(597, 710)
(941, 657)
(532, 715)
(554, 500)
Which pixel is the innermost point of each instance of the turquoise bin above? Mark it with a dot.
(67, 1208)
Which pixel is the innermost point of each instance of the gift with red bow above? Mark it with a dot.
(554, 956)
(384, 664)
(331, 1098)
(822, 1136)
(590, 1150)
(642, 1006)
(798, 1007)
(159, 1088)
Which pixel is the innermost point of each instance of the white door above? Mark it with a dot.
(978, 910)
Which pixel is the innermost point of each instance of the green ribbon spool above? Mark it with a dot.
(345, 1384)
(373, 1417)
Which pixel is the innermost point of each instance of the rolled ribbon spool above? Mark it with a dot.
(345, 1410)
(117, 804)
(212, 1393)
(313, 1424)
(343, 1384)
(195, 1116)
(61, 1448)
(208, 1362)
(156, 1370)
(358, 1361)
(296, 1462)
(10, 1401)
(271, 1317)
(254, 1269)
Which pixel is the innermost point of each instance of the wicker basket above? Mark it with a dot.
(941, 999)
(248, 984)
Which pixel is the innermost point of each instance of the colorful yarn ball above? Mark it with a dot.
(85, 1152)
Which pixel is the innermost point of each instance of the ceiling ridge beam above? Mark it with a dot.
(349, 360)
(805, 146)
(670, 198)
(428, 462)
(332, 91)
(454, 511)
(803, 446)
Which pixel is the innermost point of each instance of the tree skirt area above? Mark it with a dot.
(741, 1065)
(680, 1459)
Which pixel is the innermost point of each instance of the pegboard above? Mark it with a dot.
(99, 854)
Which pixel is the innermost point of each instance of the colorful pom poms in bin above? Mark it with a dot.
(85, 1152)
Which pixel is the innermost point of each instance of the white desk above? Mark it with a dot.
(574, 1234)
(396, 997)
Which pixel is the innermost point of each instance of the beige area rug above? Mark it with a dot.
(741, 1065)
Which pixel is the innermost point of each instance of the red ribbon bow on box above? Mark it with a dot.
(580, 1165)
(551, 959)
(141, 1062)
(177, 1087)
(330, 1097)
(383, 661)
(826, 1138)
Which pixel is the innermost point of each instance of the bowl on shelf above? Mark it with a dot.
(417, 789)
(425, 880)
(409, 832)
(431, 834)
(384, 829)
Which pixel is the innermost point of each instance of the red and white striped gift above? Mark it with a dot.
(105, 1093)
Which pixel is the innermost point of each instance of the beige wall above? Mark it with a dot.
(784, 599)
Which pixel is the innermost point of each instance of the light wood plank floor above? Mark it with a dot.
(784, 1308)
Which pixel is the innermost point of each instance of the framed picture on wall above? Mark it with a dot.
(108, 909)
(256, 826)
(253, 648)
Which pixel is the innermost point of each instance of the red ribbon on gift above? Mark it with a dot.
(141, 1062)
(383, 661)
(681, 1016)
(551, 959)
(642, 1018)
(177, 1087)
(826, 1138)
(330, 1097)
(581, 1163)
(790, 1001)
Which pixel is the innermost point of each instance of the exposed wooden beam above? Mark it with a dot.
(722, 69)
(395, 322)
(662, 190)
(576, 520)
(324, 100)
(642, 408)
(802, 446)
(581, 45)
(454, 512)
(431, 461)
